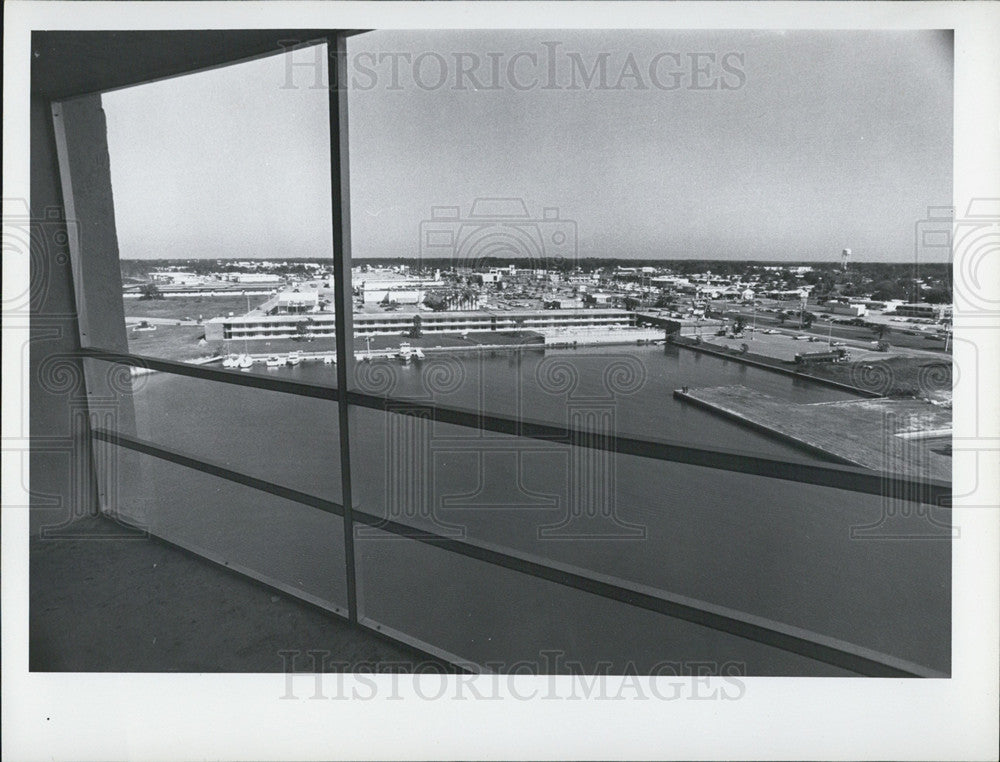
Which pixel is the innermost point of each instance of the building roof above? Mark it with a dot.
(389, 317)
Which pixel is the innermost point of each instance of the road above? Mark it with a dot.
(823, 328)
(131, 320)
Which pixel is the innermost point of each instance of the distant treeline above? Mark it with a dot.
(875, 271)
(869, 270)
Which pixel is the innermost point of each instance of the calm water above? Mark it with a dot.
(774, 549)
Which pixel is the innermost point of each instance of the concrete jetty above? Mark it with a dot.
(902, 436)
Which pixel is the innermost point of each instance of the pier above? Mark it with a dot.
(902, 436)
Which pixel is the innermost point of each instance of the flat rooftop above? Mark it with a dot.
(389, 317)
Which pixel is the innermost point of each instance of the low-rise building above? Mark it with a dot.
(922, 310)
(835, 307)
(253, 278)
(253, 327)
(393, 295)
(296, 302)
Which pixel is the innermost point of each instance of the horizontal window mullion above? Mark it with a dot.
(839, 477)
(784, 637)
(239, 378)
(216, 469)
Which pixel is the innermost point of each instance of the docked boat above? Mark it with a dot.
(329, 359)
(274, 361)
(294, 358)
(405, 353)
(418, 353)
(244, 362)
(230, 361)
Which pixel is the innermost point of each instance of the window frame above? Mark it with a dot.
(811, 645)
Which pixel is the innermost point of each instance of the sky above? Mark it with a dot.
(738, 145)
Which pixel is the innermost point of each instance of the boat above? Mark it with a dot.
(294, 358)
(418, 353)
(274, 361)
(405, 353)
(230, 361)
(329, 359)
(245, 362)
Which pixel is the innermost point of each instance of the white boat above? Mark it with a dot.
(230, 361)
(274, 361)
(329, 360)
(294, 358)
(245, 362)
(405, 353)
(418, 353)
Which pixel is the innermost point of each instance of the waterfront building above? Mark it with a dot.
(394, 323)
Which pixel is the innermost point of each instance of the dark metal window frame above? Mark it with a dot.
(784, 637)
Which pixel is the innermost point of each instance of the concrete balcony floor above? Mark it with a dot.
(140, 605)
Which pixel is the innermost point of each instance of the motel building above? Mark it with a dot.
(383, 324)
(296, 302)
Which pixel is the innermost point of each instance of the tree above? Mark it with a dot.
(879, 330)
(436, 302)
(937, 296)
(782, 317)
(885, 290)
(469, 297)
(416, 332)
(808, 319)
(150, 291)
(303, 328)
(739, 324)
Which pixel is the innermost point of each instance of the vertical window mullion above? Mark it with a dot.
(339, 179)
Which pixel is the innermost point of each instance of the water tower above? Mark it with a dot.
(845, 259)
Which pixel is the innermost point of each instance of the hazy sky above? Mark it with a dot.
(756, 145)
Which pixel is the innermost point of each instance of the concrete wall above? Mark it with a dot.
(61, 481)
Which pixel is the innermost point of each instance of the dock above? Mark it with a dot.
(901, 436)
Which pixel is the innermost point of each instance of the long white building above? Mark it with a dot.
(394, 323)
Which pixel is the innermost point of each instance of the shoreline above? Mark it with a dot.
(758, 362)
